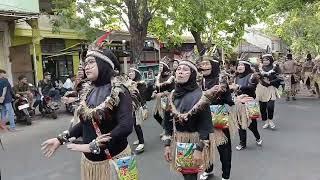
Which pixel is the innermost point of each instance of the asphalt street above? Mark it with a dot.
(289, 153)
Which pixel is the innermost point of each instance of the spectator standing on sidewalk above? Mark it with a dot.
(6, 99)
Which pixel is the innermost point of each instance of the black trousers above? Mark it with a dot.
(190, 176)
(225, 153)
(266, 110)
(158, 119)
(308, 83)
(37, 103)
(243, 133)
(139, 132)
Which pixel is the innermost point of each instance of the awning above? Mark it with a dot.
(16, 15)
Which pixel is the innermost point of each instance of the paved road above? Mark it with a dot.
(290, 153)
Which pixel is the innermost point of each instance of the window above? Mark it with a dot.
(52, 45)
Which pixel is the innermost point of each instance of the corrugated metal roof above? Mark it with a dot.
(20, 6)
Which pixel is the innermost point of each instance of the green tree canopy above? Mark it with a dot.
(88, 16)
(298, 23)
(210, 22)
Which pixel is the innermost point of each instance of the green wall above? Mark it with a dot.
(75, 55)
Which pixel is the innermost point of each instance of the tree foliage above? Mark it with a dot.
(218, 22)
(298, 23)
(89, 16)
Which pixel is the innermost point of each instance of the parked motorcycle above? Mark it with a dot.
(71, 100)
(49, 107)
(22, 110)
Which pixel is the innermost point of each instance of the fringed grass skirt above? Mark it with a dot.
(101, 170)
(265, 94)
(307, 75)
(240, 115)
(158, 109)
(291, 83)
(139, 116)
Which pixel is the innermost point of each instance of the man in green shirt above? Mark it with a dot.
(22, 88)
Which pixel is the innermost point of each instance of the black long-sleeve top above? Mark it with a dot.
(272, 75)
(200, 122)
(142, 87)
(247, 85)
(119, 125)
(224, 98)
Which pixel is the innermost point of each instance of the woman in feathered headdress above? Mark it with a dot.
(266, 92)
(139, 102)
(188, 124)
(163, 85)
(105, 119)
(212, 78)
(244, 88)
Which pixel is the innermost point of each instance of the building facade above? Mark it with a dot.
(47, 49)
(270, 44)
(12, 11)
(29, 47)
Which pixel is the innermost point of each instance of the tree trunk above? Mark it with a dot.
(197, 37)
(136, 45)
(139, 18)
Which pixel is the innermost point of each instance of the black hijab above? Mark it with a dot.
(247, 70)
(137, 76)
(213, 78)
(189, 86)
(105, 70)
(270, 66)
(105, 73)
(165, 74)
